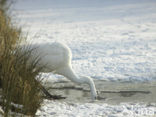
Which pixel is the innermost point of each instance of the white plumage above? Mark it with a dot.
(56, 58)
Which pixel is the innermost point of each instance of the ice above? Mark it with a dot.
(111, 40)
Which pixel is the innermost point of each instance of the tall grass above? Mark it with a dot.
(19, 78)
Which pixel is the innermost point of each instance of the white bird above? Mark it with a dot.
(56, 58)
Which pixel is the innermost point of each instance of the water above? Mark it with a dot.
(109, 92)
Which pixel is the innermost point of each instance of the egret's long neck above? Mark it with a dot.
(90, 82)
(69, 73)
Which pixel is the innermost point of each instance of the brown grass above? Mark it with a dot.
(19, 79)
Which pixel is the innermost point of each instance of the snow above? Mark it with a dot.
(111, 49)
(111, 40)
(67, 109)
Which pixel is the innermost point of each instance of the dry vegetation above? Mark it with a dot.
(19, 81)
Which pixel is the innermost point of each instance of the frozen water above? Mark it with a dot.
(111, 40)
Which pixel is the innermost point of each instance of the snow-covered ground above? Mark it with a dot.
(111, 40)
(59, 109)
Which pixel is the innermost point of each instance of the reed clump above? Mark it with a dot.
(19, 78)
